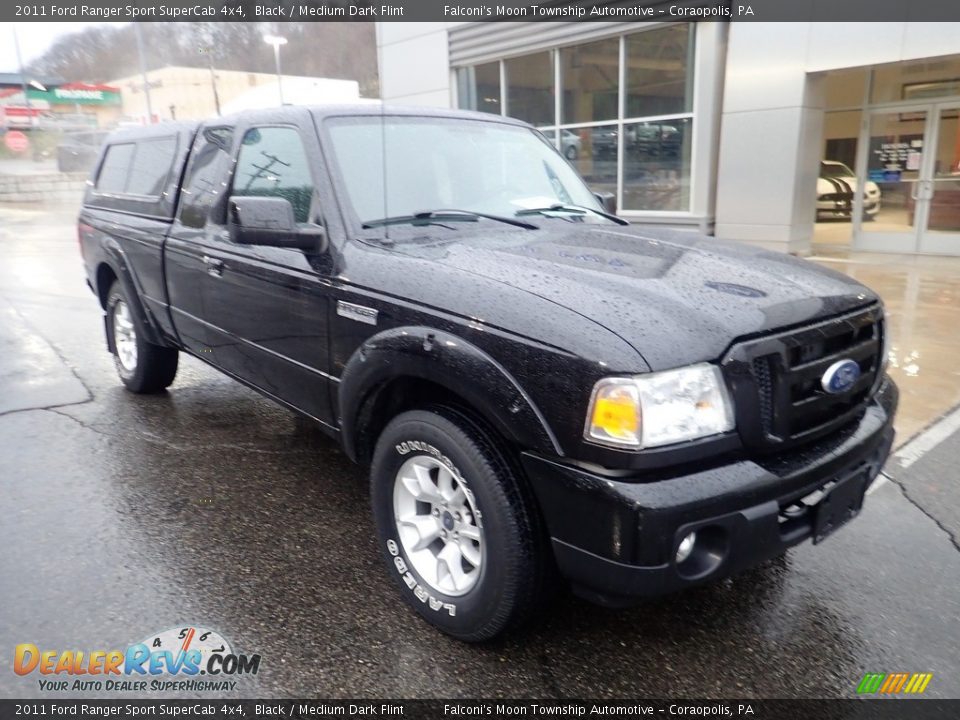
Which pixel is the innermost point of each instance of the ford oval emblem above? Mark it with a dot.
(840, 377)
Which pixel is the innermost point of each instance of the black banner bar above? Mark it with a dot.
(486, 10)
(217, 709)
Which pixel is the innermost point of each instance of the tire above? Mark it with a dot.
(571, 153)
(143, 367)
(504, 572)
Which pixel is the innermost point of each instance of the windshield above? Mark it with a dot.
(835, 170)
(444, 163)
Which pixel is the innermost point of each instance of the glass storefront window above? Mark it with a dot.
(479, 88)
(658, 74)
(530, 88)
(841, 131)
(595, 156)
(835, 181)
(916, 81)
(845, 88)
(656, 165)
(590, 77)
(652, 136)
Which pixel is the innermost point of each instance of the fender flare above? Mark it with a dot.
(115, 259)
(447, 360)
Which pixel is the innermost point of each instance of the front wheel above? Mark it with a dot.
(142, 366)
(458, 534)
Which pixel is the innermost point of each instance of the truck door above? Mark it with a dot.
(267, 307)
(187, 261)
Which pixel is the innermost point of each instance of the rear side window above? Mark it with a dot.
(208, 166)
(151, 165)
(115, 168)
(273, 163)
(139, 168)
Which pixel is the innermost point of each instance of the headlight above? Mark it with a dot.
(886, 345)
(660, 408)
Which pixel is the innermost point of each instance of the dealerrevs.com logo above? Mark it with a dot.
(171, 660)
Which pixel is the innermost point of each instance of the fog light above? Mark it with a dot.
(686, 547)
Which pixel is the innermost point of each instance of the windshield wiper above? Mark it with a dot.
(568, 208)
(430, 217)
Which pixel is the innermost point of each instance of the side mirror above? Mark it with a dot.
(608, 200)
(270, 221)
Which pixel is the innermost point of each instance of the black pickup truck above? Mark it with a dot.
(540, 389)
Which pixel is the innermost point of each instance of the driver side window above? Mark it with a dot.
(273, 163)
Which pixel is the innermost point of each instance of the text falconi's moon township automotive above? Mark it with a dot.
(573, 11)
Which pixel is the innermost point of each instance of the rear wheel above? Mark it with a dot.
(459, 536)
(142, 366)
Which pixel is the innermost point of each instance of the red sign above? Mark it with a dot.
(90, 86)
(16, 141)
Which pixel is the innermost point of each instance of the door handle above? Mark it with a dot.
(923, 190)
(214, 266)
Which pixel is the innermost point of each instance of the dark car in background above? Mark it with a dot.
(78, 151)
(643, 140)
(652, 139)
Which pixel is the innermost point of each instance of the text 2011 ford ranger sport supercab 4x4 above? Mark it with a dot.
(536, 385)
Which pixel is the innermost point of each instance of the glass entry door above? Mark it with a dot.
(941, 235)
(894, 145)
(913, 159)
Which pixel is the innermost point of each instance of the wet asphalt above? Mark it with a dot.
(210, 506)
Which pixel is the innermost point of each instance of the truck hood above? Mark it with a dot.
(677, 297)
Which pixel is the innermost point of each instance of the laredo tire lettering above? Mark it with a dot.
(411, 582)
(513, 573)
(408, 446)
(421, 593)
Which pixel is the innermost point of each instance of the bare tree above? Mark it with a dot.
(104, 52)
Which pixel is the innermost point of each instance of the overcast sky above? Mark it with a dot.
(35, 38)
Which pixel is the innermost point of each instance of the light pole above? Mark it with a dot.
(23, 75)
(213, 78)
(277, 41)
(143, 72)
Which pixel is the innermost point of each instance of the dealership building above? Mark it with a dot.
(723, 127)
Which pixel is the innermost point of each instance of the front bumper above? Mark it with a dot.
(844, 209)
(615, 538)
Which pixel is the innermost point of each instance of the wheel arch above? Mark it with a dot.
(105, 277)
(114, 268)
(414, 367)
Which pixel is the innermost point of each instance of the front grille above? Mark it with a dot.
(763, 375)
(776, 380)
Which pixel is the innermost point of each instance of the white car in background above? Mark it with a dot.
(836, 189)
(569, 142)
